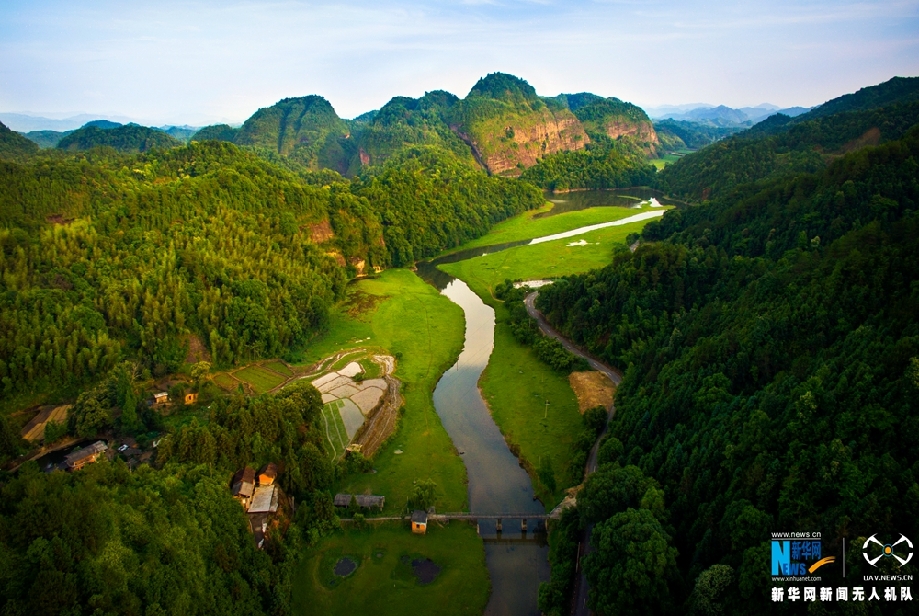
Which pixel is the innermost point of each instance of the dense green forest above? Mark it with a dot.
(770, 341)
(112, 541)
(596, 167)
(429, 200)
(216, 132)
(127, 138)
(106, 256)
(783, 147)
(407, 122)
(13, 145)
(47, 138)
(691, 134)
(110, 263)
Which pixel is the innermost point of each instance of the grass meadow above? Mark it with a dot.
(547, 260)
(403, 315)
(384, 582)
(526, 227)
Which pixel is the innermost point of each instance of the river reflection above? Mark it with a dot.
(616, 197)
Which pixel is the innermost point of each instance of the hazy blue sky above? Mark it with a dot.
(198, 62)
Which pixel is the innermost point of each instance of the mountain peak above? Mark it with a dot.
(504, 86)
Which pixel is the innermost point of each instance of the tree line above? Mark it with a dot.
(770, 343)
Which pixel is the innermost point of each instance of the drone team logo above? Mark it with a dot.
(889, 550)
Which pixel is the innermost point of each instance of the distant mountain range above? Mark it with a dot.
(24, 123)
(721, 115)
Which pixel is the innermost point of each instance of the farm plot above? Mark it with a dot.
(335, 431)
(279, 367)
(225, 381)
(348, 403)
(262, 380)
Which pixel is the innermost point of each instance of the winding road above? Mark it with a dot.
(579, 606)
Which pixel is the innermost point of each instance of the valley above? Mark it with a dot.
(343, 304)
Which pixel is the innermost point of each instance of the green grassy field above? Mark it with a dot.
(525, 227)
(424, 331)
(404, 316)
(384, 582)
(548, 260)
(516, 385)
(260, 379)
(279, 367)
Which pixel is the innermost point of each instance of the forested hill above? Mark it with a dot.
(305, 128)
(127, 138)
(502, 125)
(107, 257)
(406, 122)
(13, 145)
(770, 341)
(785, 147)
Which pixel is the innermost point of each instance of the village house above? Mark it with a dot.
(268, 474)
(191, 399)
(243, 486)
(75, 460)
(160, 398)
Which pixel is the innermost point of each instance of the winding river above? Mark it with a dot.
(517, 561)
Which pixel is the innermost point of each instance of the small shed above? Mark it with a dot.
(191, 398)
(268, 474)
(160, 398)
(419, 521)
(243, 486)
(75, 460)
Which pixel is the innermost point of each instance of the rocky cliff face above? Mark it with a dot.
(526, 138)
(642, 131)
(509, 127)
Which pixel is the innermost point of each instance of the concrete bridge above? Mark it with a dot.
(499, 518)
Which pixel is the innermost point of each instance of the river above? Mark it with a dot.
(517, 561)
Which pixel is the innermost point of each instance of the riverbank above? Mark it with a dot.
(516, 385)
(423, 330)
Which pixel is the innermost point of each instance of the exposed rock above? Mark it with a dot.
(543, 132)
(321, 232)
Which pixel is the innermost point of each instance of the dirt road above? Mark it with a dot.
(579, 606)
